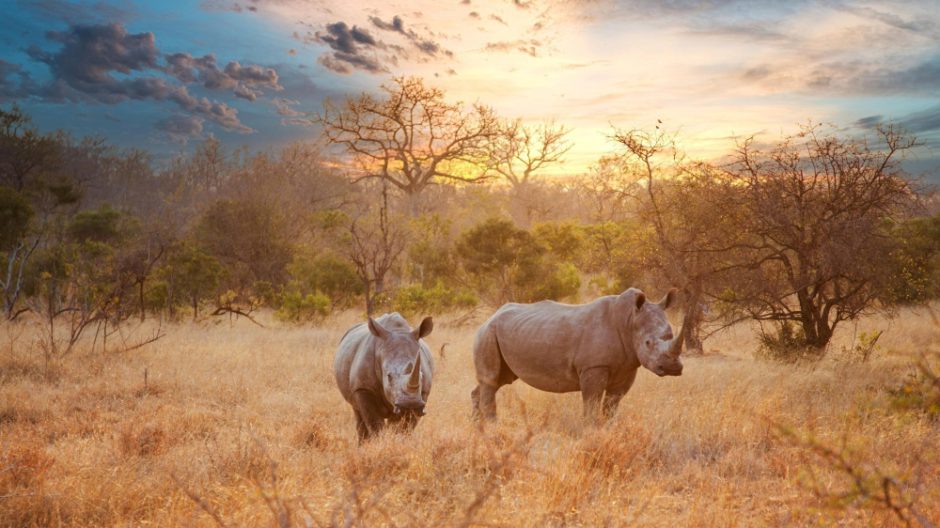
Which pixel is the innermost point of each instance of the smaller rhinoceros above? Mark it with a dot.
(383, 369)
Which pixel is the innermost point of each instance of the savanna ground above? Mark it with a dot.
(239, 425)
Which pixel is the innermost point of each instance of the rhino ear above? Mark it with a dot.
(669, 299)
(377, 329)
(640, 300)
(425, 329)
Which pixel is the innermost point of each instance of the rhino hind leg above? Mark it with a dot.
(492, 373)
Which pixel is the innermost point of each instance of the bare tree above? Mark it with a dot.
(373, 240)
(519, 151)
(817, 205)
(695, 217)
(412, 137)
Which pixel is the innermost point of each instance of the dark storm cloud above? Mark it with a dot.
(106, 64)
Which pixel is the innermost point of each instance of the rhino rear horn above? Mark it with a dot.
(377, 329)
(414, 381)
(669, 299)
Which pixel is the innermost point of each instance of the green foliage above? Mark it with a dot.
(98, 225)
(298, 307)
(915, 262)
(788, 345)
(249, 239)
(191, 275)
(327, 273)
(509, 264)
(565, 241)
(15, 214)
(417, 299)
(431, 257)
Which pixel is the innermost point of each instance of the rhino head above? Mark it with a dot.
(656, 347)
(398, 354)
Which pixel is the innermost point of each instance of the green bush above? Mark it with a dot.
(297, 307)
(327, 273)
(416, 299)
(788, 345)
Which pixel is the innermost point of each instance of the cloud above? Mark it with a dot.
(246, 82)
(876, 78)
(924, 121)
(350, 49)
(529, 47)
(11, 89)
(181, 128)
(869, 121)
(423, 44)
(108, 65)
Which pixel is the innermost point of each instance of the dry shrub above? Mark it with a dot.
(23, 466)
(315, 433)
(143, 440)
(613, 451)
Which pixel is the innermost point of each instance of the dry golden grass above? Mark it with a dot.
(238, 425)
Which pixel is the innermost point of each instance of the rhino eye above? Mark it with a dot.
(389, 378)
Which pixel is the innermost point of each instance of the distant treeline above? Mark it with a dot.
(410, 203)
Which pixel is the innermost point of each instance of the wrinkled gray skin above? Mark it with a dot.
(376, 372)
(595, 348)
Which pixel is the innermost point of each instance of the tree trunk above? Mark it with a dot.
(140, 295)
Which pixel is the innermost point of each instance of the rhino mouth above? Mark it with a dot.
(673, 370)
(415, 409)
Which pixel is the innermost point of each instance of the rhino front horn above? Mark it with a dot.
(415, 380)
(675, 348)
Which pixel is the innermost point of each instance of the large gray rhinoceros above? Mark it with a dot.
(383, 370)
(595, 348)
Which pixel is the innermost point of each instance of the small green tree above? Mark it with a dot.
(328, 274)
(506, 263)
(15, 217)
(191, 275)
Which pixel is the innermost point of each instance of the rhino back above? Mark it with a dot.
(546, 344)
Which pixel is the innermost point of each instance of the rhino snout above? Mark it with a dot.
(669, 370)
(414, 407)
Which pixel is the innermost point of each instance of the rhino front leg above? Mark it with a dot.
(369, 414)
(593, 385)
(615, 394)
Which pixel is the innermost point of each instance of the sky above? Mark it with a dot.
(166, 75)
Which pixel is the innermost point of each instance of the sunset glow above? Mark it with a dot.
(712, 71)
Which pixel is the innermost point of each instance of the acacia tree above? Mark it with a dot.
(411, 138)
(817, 208)
(519, 151)
(694, 217)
